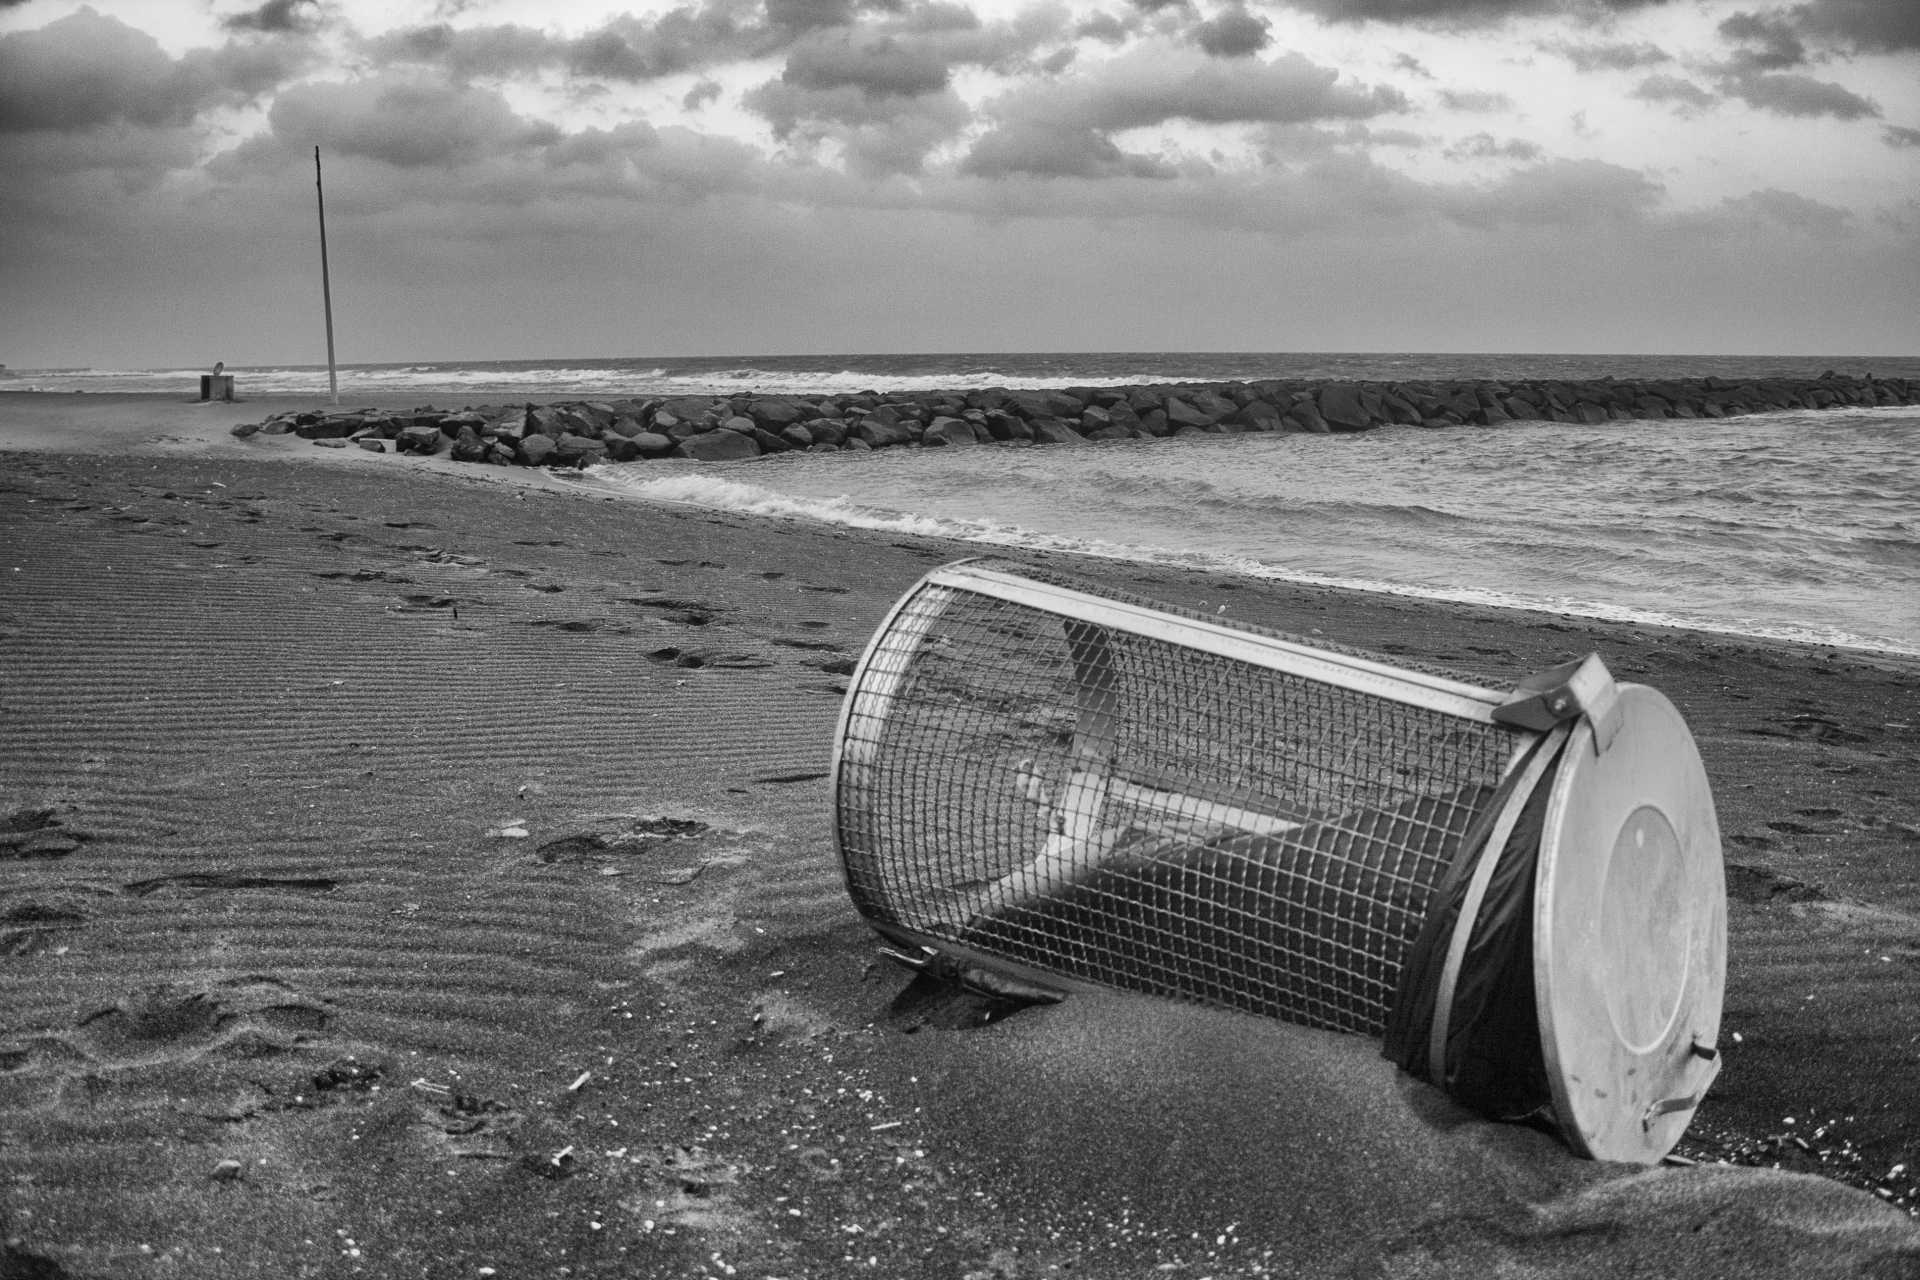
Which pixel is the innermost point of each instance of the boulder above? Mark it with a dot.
(949, 431)
(1257, 415)
(1523, 409)
(372, 444)
(775, 412)
(1054, 431)
(797, 436)
(1341, 407)
(719, 446)
(687, 408)
(625, 425)
(828, 431)
(468, 446)
(1181, 413)
(879, 433)
(1304, 415)
(1211, 404)
(535, 448)
(578, 450)
(424, 440)
(1154, 422)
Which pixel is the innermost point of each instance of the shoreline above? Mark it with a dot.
(159, 425)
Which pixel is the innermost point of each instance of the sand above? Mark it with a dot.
(415, 871)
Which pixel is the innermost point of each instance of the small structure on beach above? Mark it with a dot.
(217, 385)
(1042, 785)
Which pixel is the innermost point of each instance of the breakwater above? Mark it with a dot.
(722, 428)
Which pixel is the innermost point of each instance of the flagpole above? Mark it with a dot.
(326, 287)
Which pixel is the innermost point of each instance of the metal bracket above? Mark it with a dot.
(1562, 693)
(1688, 1102)
(976, 978)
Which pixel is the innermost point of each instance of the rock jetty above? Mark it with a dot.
(725, 428)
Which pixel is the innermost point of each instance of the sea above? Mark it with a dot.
(1797, 525)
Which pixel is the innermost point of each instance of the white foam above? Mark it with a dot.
(718, 493)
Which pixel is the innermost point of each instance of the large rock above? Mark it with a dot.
(775, 412)
(419, 440)
(1181, 413)
(879, 433)
(1054, 431)
(1341, 407)
(1257, 415)
(578, 450)
(536, 448)
(719, 445)
(949, 431)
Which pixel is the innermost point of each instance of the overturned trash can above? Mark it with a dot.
(1043, 785)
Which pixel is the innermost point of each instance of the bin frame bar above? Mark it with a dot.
(1345, 671)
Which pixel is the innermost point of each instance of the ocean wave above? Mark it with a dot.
(706, 490)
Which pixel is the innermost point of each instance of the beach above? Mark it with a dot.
(416, 869)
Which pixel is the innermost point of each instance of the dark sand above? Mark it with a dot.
(334, 940)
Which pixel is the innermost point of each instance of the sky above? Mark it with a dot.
(510, 179)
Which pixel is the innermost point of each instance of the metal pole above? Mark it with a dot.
(326, 287)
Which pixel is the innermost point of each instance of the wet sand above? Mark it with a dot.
(414, 871)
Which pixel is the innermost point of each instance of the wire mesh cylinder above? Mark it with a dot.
(1074, 782)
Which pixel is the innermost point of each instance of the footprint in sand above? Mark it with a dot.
(252, 1016)
(38, 833)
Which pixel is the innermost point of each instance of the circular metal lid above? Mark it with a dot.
(1630, 934)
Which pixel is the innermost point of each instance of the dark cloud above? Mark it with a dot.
(1103, 27)
(1135, 92)
(877, 134)
(1557, 193)
(500, 51)
(1412, 66)
(1475, 100)
(806, 15)
(1899, 136)
(877, 66)
(1608, 57)
(1484, 146)
(1789, 211)
(85, 71)
(1041, 150)
(1873, 26)
(1672, 89)
(634, 49)
(1461, 13)
(1796, 95)
(700, 95)
(1768, 42)
(277, 17)
(1233, 33)
(405, 122)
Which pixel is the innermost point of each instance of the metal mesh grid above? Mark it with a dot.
(1127, 810)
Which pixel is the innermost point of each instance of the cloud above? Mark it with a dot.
(1557, 193)
(1873, 26)
(1899, 136)
(1233, 33)
(701, 94)
(877, 66)
(404, 121)
(1796, 95)
(277, 17)
(1770, 40)
(1608, 57)
(1784, 209)
(1483, 146)
(1141, 90)
(86, 71)
(1475, 101)
(1461, 13)
(1683, 94)
(1042, 150)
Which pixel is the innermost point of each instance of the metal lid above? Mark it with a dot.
(1630, 934)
